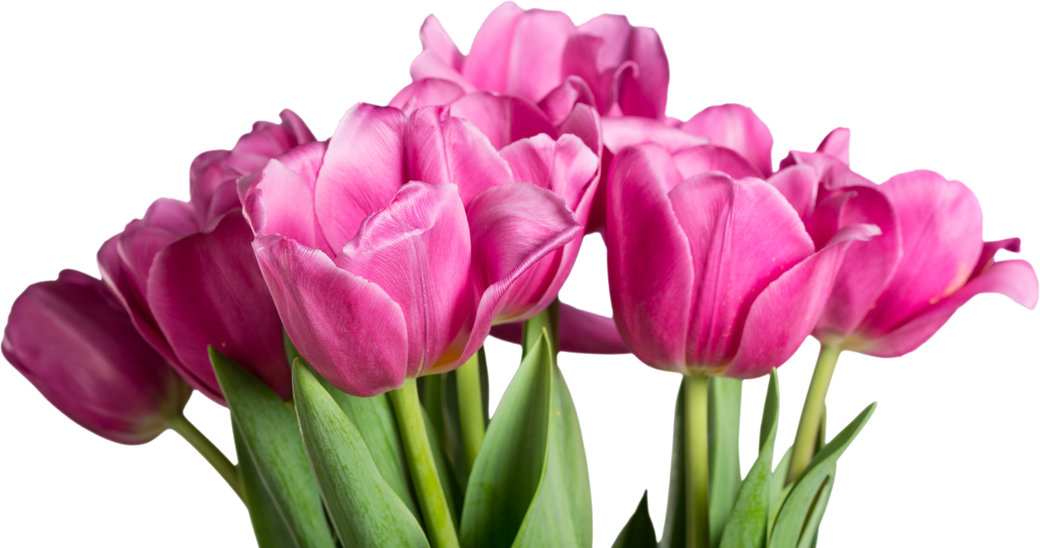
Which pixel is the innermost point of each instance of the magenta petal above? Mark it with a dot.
(648, 257)
(738, 128)
(206, 289)
(1016, 279)
(627, 131)
(565, 166)
(836, 144)
(427, 66)
(418, 251)
(535, 61)
(426, 92)
(503, 119)
(363, 168)
(941, 227)
(799, 184)
(742, 235)
(487, 65)
(584, 123)
(644, 92)
(515, 228)
(558, 103)
(346, 327)
(990, 249)
(580, 331)
(436, 40)
(705, 158)
(784, 314)
(441, 149)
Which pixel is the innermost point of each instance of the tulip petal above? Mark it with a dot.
(627, 131)
(442, 149)
(799, 184)
(426, 92)
(742, 236)
(584, 123)
(786, 311)
(580, 332)
(503, 119)
(206, 289)
(488, 62)
(644, 92)
(558, 103)
(648, 257)
(705, 158)
(346, 327)
(513, 227)
(363, 168)
(436, 40)
(1015, 279)
(279, 199)
(418, 251)
(990, 249)
(941, 228)
(836, 144)
(565, 166)
(736, 127)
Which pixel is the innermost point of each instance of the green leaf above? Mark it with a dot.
(812, 525)
(674, 533)
(529, 485)
(639, 531)
(271, 433)
(747, 524)
(364, 509)
(268, 526)
(724, 451)
(778, 489)
(792, 520)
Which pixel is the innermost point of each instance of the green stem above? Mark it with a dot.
(805, 441)
(201, 443)
(434, 504)
(471, 408)
(548, 319)
(695, 388)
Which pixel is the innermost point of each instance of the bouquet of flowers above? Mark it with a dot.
(336, 295)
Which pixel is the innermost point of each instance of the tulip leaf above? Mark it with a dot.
(364, 509)
(778, 488)
(639, 531)
(747, 524)
(812, 524)
(268, 526)
(530, 484)
(795, 513)
(271, 434)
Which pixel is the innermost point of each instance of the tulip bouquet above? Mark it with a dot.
(335, 295)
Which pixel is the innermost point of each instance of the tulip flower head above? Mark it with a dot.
(74, 341)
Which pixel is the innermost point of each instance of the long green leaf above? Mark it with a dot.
(674, 533)
(364, 509)
(812, 525)
(639, 531)
(791, 521)
(724, 447)
(747, 524)
(268, 526)
(529, 485)
(778, 489)
(270, 431)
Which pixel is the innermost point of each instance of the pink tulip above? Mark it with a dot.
(391, 249)
(709, 274)
(74, 341)
(187, 274)
(894, 292)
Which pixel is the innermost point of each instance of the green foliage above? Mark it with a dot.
(639, 531)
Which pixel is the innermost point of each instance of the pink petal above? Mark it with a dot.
(644, 92)
(514, 227)
(941, 226)
(558, 103)
(488, 63)
(417, 250)
(836, 144)
(346, 327)
(614, 33)
(503, 119)
(363, 168)
(567, 167)
(536, 57)
(990, 249)
(627, 131)
(206, 289)
(580, 331)
(738, 128)
(648, 257)
(579, 62)
(427, 66)
(742, 236)
(799, 184)
(426, 92)
(782, 316)
(279, 199)
(584, 123)
(441, 149)
(436, 40)
(705, 158)
(1016, 279)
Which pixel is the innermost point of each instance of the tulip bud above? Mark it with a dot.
(74, 341)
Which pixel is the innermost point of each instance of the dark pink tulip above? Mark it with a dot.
(187, 274)
(710, 275)
(392, 248)
(74, 341)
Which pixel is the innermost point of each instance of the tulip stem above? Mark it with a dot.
(180, 424)
(695, 396)
(439, 524)
(807, 440)
(471, 408)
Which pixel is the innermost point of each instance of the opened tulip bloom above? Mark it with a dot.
(187, 274)
(392, 249)
(72, 339)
